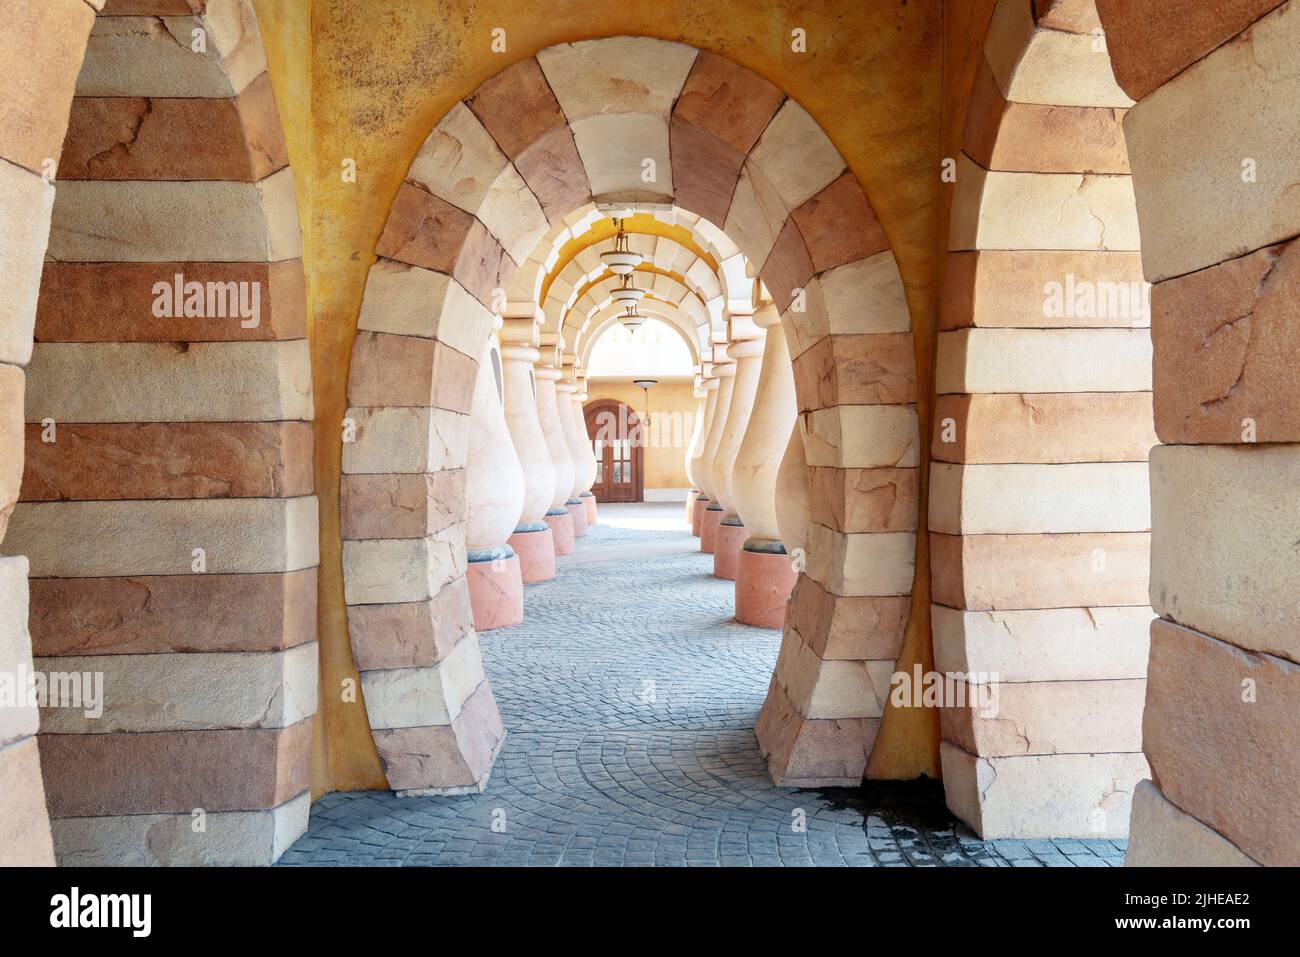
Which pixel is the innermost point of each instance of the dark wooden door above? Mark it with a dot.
(615, 434)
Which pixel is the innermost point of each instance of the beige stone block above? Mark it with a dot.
(1042, 796)
(1053, 67)
(616, 75)
(409, 301)
(24, 229)
(231, 838)
(1043, 644)
(24, 823)
(187, 692)
(861, 436)
(154, 56)
(1223, 545)
(1163, 835)
(382, 570)
(756, 215)
(1188, 142)
(16, 721)
(831, 688)
(879, 564)
(866, 296)
(614, 149)
(422, 697)
(795, 155)
(1000, 718)
(1000, 210)
(1027, 499)
(12, 440)
(107, 221)
(1044, 360)
(92, 539)
(1222, 732)
(157, 382)
(406, 440)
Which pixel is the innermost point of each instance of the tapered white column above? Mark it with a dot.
(696, 499)
(532, 539)
(565, 389)
(548, 411)
(746, 348)
(794, 496)
(765, 574)
(586, 466)
(724, 371)
(494, 500)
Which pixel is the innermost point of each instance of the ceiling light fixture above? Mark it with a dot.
(621, 260)
(627, 294)
(632, 320)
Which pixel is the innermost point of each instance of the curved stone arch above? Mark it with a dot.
(1042, 429)
(618, 120)
(668, 314)
(158, 446)
(693, 272)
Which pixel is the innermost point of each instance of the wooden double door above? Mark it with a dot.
(616, 437)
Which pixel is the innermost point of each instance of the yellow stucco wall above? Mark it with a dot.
(672, 410)
(379, 74)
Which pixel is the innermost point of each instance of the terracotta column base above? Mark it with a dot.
(561, 524)
(578, 511)
(697, 513)
(726, 548)
(590, 501)
(535, 548)
(710, 519)
(496, 590)
(765, 576)
(691, 496)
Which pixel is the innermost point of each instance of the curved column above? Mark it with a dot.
(710, 386)
(765, 575)
(587, 458)
(565, 391)
(794, 497)
(693, 504)
(747, 349)
(494, 501)
(532, 539)
(724, 373)
(548, 411)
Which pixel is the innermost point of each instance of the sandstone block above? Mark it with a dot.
(11, 431)
(27, 200)
(848, 628)
(445, 759)
(878, 564)
(726, 100)
(861, 436)
(1044, 360)
(406, 300)
(616, 75)
(406, 439)
(836, 688)
(24, 825)
(614, 146)
(796, 156)
(389, 370)
(410, 634)
(869, 369)
(406, 505)
(812, 753)
(1162, 835)
(17, 721)
(865, 500)
(419, 697)
(756, 214)
(383, 571)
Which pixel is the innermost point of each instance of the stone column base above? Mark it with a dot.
(590, 501)
(691, 496)
(765, 576)
(561, 525)
(697, 513)
(728, 539)
(578, 512)
(710, 519)
(535, 548)
(496, 588)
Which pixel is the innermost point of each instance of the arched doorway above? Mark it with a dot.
(616, 437)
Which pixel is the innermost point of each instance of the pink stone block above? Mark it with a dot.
(710, 519)
(496, 593)
(764, 581)
(561, 531)
(536, 554)
(578, 512)
(697, 514)
(726, 550)
(590, 501)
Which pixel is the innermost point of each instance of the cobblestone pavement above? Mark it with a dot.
(629, 698)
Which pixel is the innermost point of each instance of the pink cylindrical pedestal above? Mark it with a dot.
(535, 548)
(764, 580)
(697, 513)
(561, 523)
(691, 496)
(496, 590)
(578, 512)
(709, 521)
(726, 549)
(590, 501)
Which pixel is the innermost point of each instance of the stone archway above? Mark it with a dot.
(588, 121)
(166, 505)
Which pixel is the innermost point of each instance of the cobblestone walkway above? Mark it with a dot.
(629, 698)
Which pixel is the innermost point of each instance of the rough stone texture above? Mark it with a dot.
(232, 838)
(419, 697)
(517, 107)
(169, 460)
(1048, 717)
(756, 214)
(795, 155)
(1044, 360)
(24, 826)
(173, 613)
(724, 99)
(158, 537)
(865, 500)
(405, 440)
(847, 627)
(1045, 428)
(113, 302)
(1228, 752)
(411, 634)
(384, 571)
(1187, 142)
(614, 148)
(1009, 288)
(1043, 644)
(169, 382)
(17, 719)
(1225, 341)
(89, 775)
(1150, 44)
(869, 563)
(788, 267)
(705, 170)
(409, 505)
(99, 221)
(1162, 835)
(27, 200)
(839, 226)
(1042, 796)
(862, 436)
(985, 572)
(1224, 529)
(11, 437)
(616, 75)
(405, 370)
(877, 369)
(458, 756)
(408, 301)
(1028, 499)
(835, 688)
